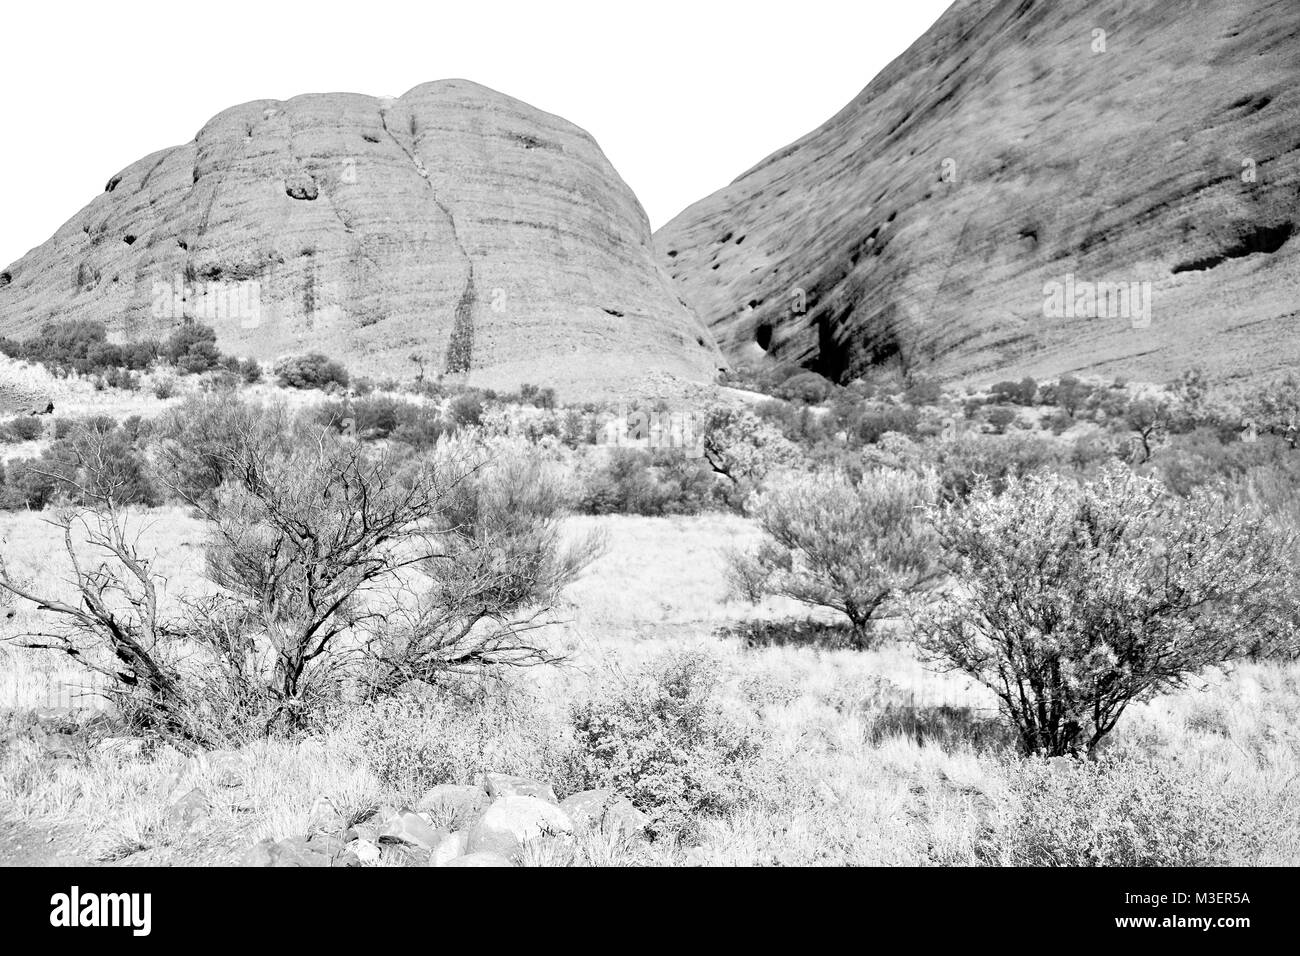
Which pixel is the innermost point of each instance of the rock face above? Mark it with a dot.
(964, 213)
(491, 239)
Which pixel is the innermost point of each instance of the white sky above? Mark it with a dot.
(682, 95)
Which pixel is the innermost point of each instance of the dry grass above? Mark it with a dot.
(871, 759)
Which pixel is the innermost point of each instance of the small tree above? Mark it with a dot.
(1072, 601)
(313, 370)
(851, 548)
(743, 448)
(490, 572)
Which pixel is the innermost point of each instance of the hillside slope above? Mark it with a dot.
(453, 222)
(1013, 157)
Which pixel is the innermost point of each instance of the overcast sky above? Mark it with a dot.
(682, 96)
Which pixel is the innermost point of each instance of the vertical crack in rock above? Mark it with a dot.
(460, 346)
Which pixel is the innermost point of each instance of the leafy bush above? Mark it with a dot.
(830, 543)
(412, 742)
(82, 346)
(1113, 811)
(867, 424)
(1071, 601)
(744, 448)
(1000, 418)
(1069, 394)
(192, 348)
(663, 741)
(23, 428)
(466, 409)
(806, 388)
(635, 482)
(1022, 392)
(313, 370)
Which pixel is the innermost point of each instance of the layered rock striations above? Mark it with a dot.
(490, 239)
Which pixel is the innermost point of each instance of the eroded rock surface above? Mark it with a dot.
(1014, 146)
(455, 223)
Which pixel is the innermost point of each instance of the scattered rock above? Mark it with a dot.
(189, 810)
(458, 800)
(500, 785)
(448, 847)
(366, 852)
(295, 851)
(407, 827)
(324, 816)
(481, 858)
(593, 809)
(512, 822)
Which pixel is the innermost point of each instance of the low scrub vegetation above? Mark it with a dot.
(973, 628)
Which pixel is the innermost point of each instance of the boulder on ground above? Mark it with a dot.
(512, 822)
(461, 801)
(596, 809)
(295, 851)
(448, 846)
(500, 785)
(409, 828)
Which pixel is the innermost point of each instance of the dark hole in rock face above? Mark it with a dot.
(370, 137)
(5, 279)
(302, 190)
(615, 313)
(112, 184)
(129, 239)
(763, 335)
(727, 237)
(699, 340)
(1265, 239)
(672, 253)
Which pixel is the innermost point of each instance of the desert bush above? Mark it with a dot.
(1275, 408)
(23, 428)
(466, 409)
(312, 544)
(491, 566)
(191, 442)
(636, 482)
(662, 740)
(82, 346)
(1000, 418)
(1070, 601)
(1117, 810)
(192, 348)
(921, 390)
(742, 448)
(313, 370)
(799, 423)
(806, 388)
(93, 459)
(1023, 392)
(413, 741)
(851, 548)
(1069, 394)
(966, 458)
(867, 424)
